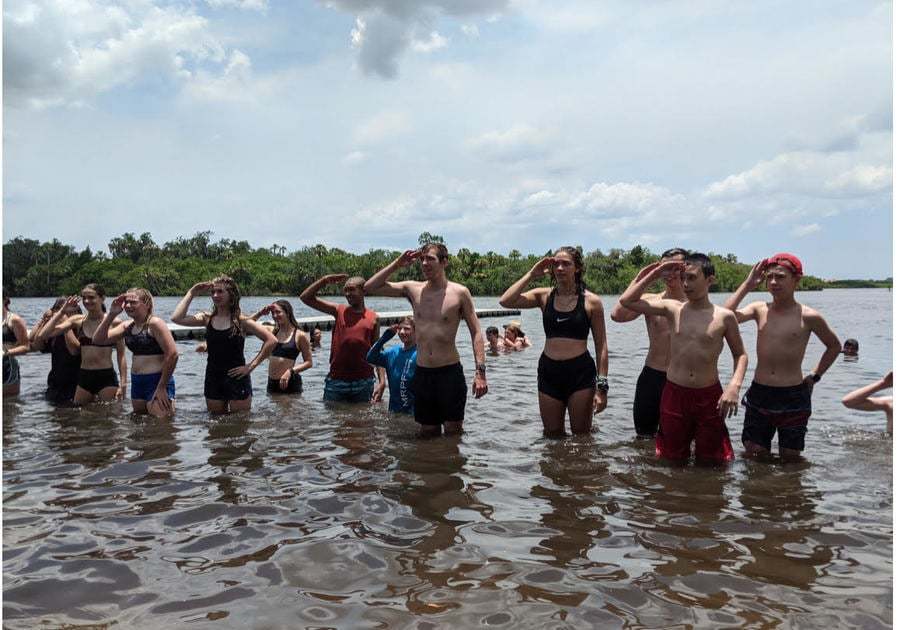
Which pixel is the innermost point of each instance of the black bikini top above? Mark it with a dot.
(142, 343)
(84, 340)
(224, 348)
(8, 335)
(287, 349)
(574, 324)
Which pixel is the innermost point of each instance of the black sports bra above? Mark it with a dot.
(142, 343)
(84, 340)
(224, 349)
(8, 335)
(573, 324)
(287, 349)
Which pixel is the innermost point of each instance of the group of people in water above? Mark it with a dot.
(678, 400)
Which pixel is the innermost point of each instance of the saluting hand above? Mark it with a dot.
(201, 287)
(757, 274)
(334, 278)
(117, 304)
(409, 257)
(542, 267)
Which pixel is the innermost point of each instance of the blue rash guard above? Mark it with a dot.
(401, 366)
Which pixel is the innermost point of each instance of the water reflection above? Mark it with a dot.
(230, 446)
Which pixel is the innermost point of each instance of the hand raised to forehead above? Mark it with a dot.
(670, 266)
(118, 303)
(334, 278)
(543, 267)
(409, 257)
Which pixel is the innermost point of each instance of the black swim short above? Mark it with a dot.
(647, 395)
(440, 394)
(220, 386)
(782, 409)
(95, 380)
(295, 385)
(561, 379)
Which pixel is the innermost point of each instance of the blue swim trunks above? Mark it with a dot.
(143, 386)
(349, 391)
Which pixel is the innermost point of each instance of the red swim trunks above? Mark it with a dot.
(688, 414)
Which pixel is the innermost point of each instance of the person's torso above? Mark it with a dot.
(781, 340)
(224, 347)
(696, 342)
(437, 314)
(351, 339)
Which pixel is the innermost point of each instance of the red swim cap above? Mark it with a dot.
(786, 260)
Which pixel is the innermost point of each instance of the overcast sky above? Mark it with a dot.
(733, 127)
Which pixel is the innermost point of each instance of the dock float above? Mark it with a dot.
(326, 322)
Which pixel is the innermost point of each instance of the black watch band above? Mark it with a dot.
(815, 377)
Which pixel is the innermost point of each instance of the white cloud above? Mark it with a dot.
(805, 230)
(434, 42)
(246, 5)
(862, 179)
(385, 125)
(354, 158)
(59, 53)
(470, 30)
(520, 142)
(234, 84)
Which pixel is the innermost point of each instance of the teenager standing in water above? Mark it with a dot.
(65, 354)
(15, 343)
(153, 350)
(568, 378)
(96, 377)
(284, 371)
(227, 385)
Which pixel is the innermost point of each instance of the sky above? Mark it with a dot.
(730, 127)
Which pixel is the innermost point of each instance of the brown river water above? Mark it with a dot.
(305, 515)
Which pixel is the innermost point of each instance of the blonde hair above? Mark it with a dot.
(144, 296)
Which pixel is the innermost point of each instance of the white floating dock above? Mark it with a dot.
(326, 322)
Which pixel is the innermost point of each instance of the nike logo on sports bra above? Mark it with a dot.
(558, 320)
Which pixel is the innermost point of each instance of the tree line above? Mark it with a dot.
(36, 269)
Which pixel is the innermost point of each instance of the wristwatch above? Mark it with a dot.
(815, 377)
(602, 384)
(481, 367)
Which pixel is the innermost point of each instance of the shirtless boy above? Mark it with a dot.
(650, 383)
(779, 398)
(438, 306)
(693, 405)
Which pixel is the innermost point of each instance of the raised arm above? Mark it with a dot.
(106, 331)
(310, 294)
(862, 400)
(164, 338)
(479, 384)
(827, 336)
(379, 285)
(728, 401)
(265, 310)
(36, 329)
(375, 356)
(634, 299)
(753, 280)
(601, 352)
(58, 322)
(620, 314)
(180, 316)
(517, 297)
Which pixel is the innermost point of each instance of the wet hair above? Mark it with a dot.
(285, 306)
(578, 260)
(355, 281)
(96, 288)
(440, 250)
(675, 251)
(702, 261)
(234, 303)
(492, 330)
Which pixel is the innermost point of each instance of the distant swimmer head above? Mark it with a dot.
(698, 276)
(513, 330)
(851, 348)
(354, 292)
(315, 336)
(434, 258)
(92, 296)
(568, 267)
